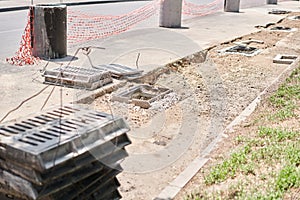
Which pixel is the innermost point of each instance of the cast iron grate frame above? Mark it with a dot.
(77, 77)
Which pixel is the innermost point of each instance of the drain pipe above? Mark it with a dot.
(232, 5)
(49, 30)
(170, 13)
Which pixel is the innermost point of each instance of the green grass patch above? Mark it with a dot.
(286, 99)
(287, 178)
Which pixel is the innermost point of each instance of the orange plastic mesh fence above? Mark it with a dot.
(83, 27)
(201, 10)
(24, 54)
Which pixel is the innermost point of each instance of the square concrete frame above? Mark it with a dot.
(227, 51)
(150, 94)
(284, 59)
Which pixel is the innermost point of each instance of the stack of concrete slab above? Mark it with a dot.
(66, 153)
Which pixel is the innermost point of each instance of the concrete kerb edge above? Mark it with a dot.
(169, 192)
(90, 96)
(17, 8)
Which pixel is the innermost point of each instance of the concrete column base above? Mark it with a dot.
(232, 5)
(271, 1)
(170, 13)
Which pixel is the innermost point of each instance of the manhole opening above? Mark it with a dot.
(141, 95)
(242, 49)
(281, 28)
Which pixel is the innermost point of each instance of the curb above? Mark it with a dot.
(17, 8)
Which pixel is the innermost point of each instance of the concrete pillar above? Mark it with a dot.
(232, 5)
(170, 13)
(271, 1)
(49, 31)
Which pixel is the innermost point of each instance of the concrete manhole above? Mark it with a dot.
(241, 50)
(284, 59)
(141, 95)
(279, 12)
(77, 77)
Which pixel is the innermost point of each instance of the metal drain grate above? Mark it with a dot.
(141, 95)
(77, 77)
(241, 50)
(284, 59)
(52, 154)
(120, 71)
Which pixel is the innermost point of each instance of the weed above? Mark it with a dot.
(276, 135)
(288, 178)
(229, 167)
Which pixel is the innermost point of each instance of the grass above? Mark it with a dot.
(266, 163)
(286, 98)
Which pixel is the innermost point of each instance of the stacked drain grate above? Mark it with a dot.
(66, 153)
(77, 77)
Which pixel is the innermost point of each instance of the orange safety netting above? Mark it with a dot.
(83, 27)
(24, 55)
(201, 10)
